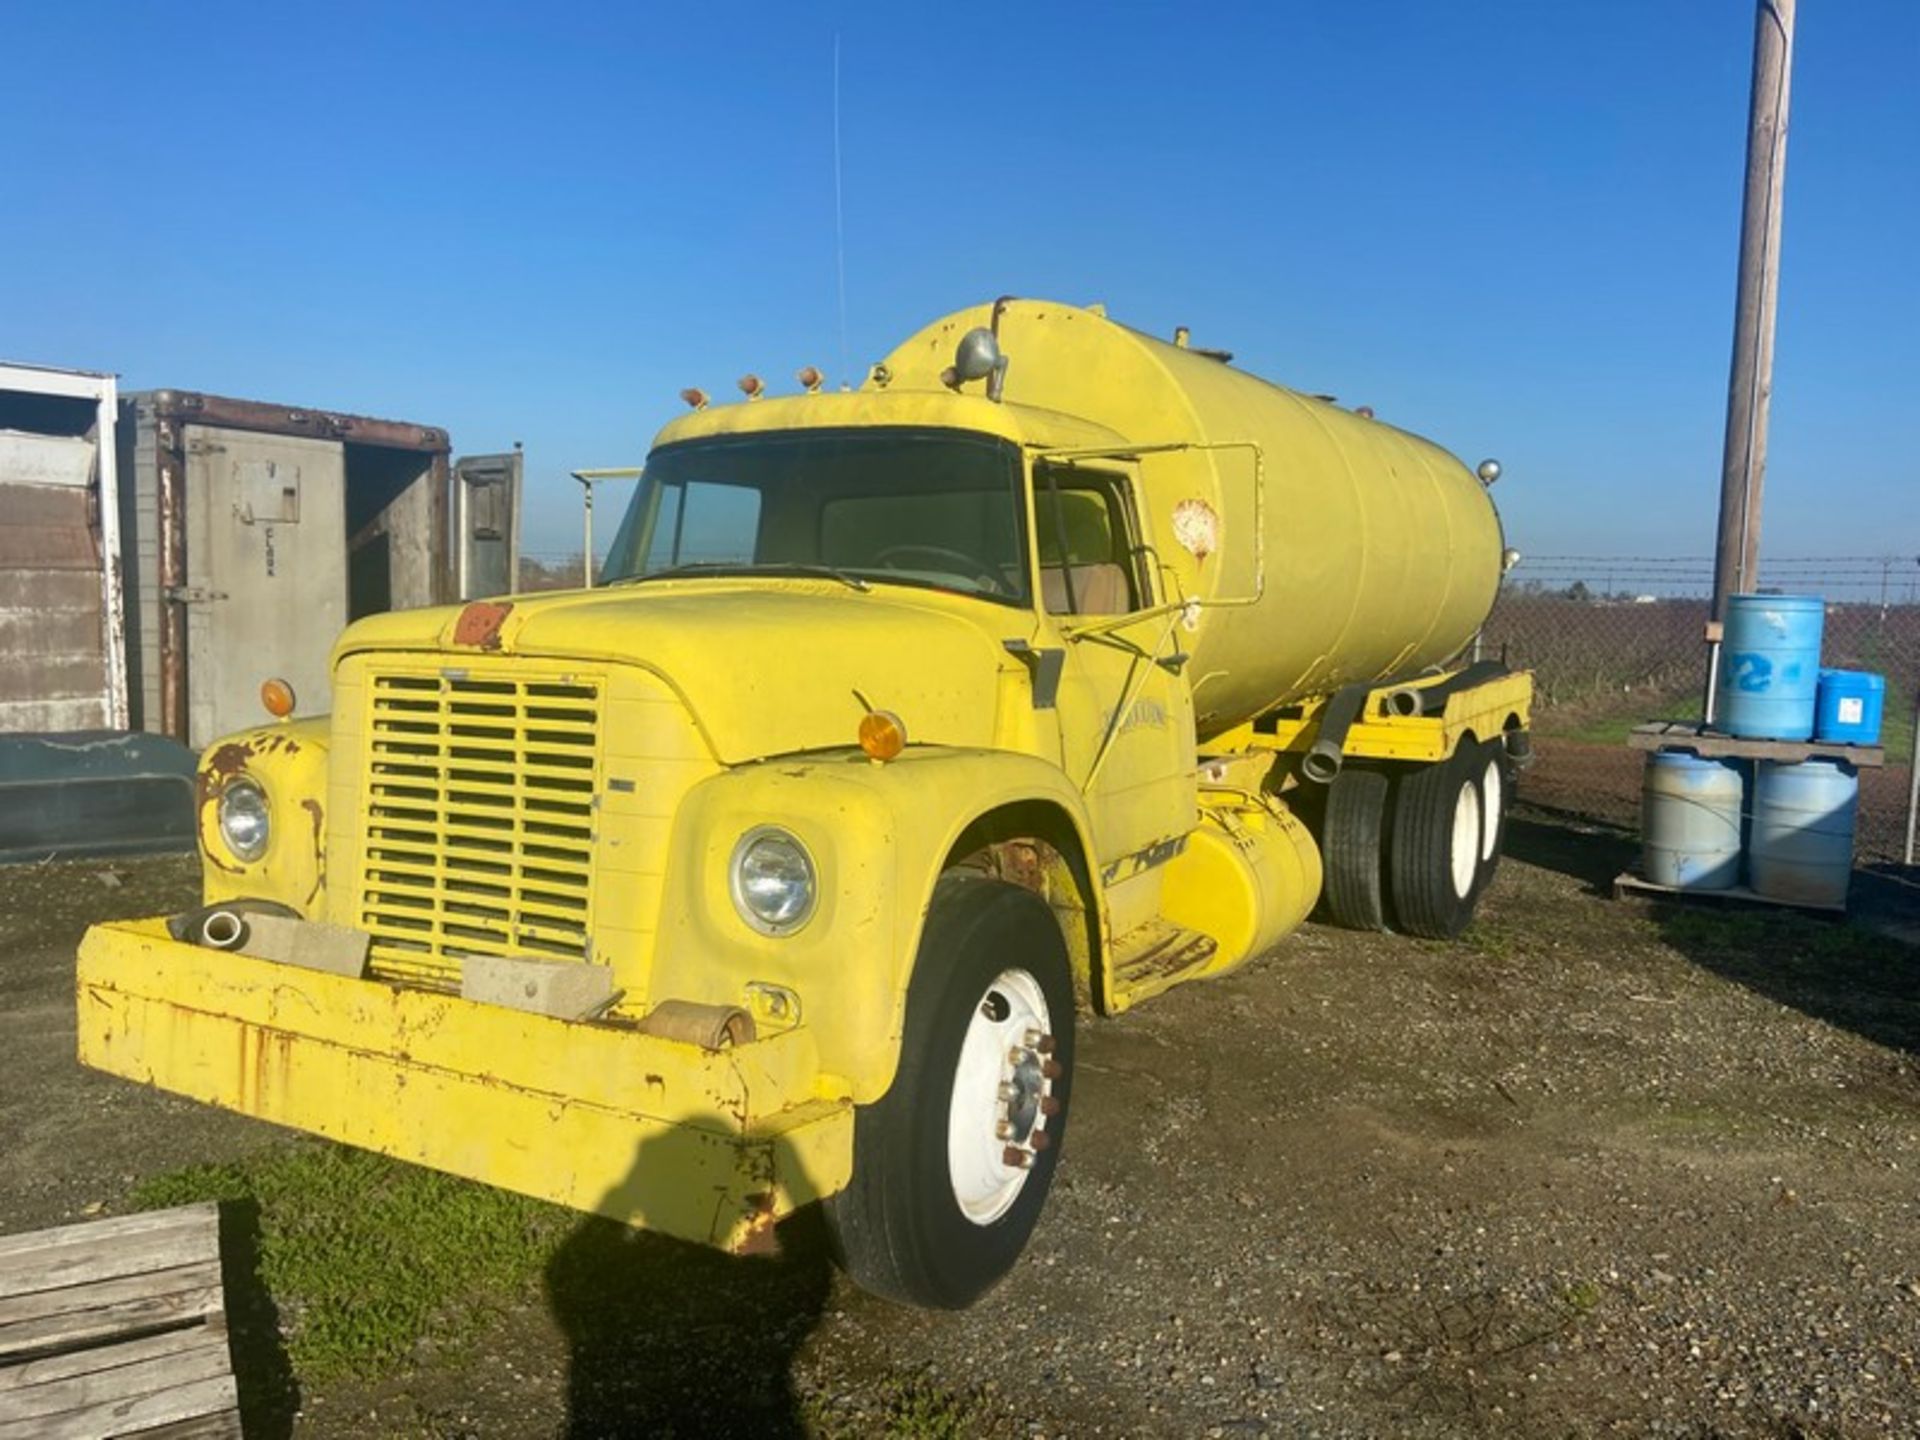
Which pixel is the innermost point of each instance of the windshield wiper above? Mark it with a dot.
(746, 567)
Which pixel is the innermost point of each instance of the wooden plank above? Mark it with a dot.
(1665, 734)
(88, 1314)
(101, 1357)
(122, 1382)
(131, 1415)
(82, 1259)
(224, 1426)
(113, 1227)
(1627, 883)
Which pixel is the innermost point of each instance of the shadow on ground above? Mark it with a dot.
(1856, 972)
(269, 1394)
(671, 1339)
(1591, 854)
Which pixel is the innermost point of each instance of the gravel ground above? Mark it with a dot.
(1596, 1169)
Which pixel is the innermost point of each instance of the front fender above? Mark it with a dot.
(879, 836)
(289, 763)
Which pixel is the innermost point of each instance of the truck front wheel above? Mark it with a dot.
(952, 1166)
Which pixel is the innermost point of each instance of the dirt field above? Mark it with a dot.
(1598, 1169)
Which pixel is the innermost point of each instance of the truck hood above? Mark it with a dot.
(765, 668)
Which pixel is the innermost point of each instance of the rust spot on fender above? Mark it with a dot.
(223, 762)
(312, 807)
(479, 624)
(226, 761)
(759, 1237)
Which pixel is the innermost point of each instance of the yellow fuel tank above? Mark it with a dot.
(1332, 549)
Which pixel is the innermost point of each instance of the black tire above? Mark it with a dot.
(1428, 893)
(898, 1227)
(1352, 845)
(1496, 795)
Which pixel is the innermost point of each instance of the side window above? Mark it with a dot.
(1086, 549)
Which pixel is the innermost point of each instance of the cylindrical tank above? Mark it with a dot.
(1770, 666)
(1357, 552)
(1803, 817)
(1690, 821)
(1848, 707)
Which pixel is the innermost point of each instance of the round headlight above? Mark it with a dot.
(243, 819)
(772, 881)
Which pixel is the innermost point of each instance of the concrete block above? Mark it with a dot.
(564, 989)
(311, 944)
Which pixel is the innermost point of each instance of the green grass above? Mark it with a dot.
(366, 1257)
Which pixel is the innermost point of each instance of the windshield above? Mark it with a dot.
(937, 508)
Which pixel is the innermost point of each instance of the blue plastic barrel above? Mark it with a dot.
(1803, 816)
(1847, 710)
(1770, 666)
(1690, 821)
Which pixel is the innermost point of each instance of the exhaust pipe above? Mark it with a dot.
(222, 930)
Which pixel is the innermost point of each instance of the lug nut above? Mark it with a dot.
(1039, 1140)
(1016, 1157)
(1044, 1044)
(1018, 1055)
(1049, 1105)
(1003, 1130)
(1052, 1069)
(1008, 1090)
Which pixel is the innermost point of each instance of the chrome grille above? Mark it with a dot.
(479, 820)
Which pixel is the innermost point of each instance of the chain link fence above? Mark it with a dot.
(1617, 640)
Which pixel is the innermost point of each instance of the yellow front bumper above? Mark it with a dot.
(711, 1147)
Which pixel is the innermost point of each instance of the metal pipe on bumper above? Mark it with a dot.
(709, 1146)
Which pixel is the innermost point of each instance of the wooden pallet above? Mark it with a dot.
(1627, 883)
(1711, 744)
(116, 1327)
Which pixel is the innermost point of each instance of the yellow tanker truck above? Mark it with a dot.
(1054, 666)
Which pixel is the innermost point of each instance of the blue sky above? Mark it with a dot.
(1510, 227)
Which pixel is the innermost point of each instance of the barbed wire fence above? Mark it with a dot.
(1617, 640)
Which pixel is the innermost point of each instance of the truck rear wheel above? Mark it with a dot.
(1496, 789)
(1435, 858)
(1352, 841)
(952, 1165)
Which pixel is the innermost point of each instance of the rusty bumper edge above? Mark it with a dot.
(707, 1147)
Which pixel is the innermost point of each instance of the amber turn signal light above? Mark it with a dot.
(277, 695)
(882, 735)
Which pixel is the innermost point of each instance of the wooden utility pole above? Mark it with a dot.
(1750, 387)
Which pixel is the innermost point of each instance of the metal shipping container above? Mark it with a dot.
(62, 661)
(257, 531)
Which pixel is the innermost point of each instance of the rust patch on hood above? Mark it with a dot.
(479, 624)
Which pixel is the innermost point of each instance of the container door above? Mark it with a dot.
(487, 523)
(54, 667)
(266, 572)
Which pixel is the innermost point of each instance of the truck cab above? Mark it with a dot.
(904, 727)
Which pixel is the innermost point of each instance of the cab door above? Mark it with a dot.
(1125, 713)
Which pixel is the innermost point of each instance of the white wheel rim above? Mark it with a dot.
(1491, 800)
(997, 1121)
(1463, 851)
